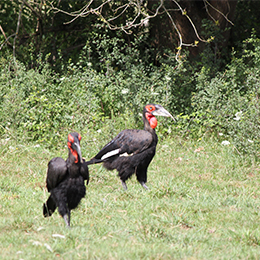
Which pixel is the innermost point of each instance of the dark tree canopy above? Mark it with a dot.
(60, 29)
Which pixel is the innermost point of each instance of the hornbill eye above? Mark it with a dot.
(150, 108)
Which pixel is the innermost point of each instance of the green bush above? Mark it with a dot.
(229, 103)
(42, 106)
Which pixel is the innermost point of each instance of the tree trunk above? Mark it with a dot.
(218, 11)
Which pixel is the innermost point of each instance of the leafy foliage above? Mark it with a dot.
(229, 102)
(104, 86)
(42, 105)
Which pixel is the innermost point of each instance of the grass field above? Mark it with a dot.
(203, 203)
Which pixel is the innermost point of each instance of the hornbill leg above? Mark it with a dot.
(66, 218)
(124, 185)
(144, 185)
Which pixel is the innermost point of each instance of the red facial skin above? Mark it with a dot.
(150, 117)
(70, 141)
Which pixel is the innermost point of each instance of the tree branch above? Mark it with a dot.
(6, 39)
(141, 13)
(17, 27)
(192, 24)
(225, 16)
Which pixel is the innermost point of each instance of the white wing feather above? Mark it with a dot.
(109, 154)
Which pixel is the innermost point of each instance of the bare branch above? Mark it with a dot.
(124, 6)
(206, 7)
(81, 12)
(140, 17)
(192, 24)
(31, 8)
(17, 27)
(179, 34)
(225, 16)
(6, 39)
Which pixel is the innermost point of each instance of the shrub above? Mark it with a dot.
(229, 102)
(42, 106)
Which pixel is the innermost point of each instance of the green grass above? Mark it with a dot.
(203, 203)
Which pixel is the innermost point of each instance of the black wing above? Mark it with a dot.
(57, 171)
(130, 141)
(84, 171)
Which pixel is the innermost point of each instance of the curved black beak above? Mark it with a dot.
(76, 147)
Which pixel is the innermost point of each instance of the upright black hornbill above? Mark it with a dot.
(132, 150)
(65, 180)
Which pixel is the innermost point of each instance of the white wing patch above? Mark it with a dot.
(126, 154)
(109, 154)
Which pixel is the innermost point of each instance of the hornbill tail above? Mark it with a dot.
(49, 207)
(94, 161)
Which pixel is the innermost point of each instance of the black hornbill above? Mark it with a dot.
(65, 180)
(132, 150)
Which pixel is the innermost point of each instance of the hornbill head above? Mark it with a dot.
(152, 110)
(74, 146)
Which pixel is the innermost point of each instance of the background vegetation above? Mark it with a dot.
(57, 77)
(80, 75)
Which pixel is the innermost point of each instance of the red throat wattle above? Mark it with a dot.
(151, 119)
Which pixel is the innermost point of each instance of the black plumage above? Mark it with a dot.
(132, 150)
(65, 180)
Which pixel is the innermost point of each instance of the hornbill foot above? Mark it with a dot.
(124, 185)
(144, 185)
(66, 218)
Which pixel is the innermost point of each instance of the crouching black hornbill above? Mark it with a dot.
(132, 150)
(65, 180)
